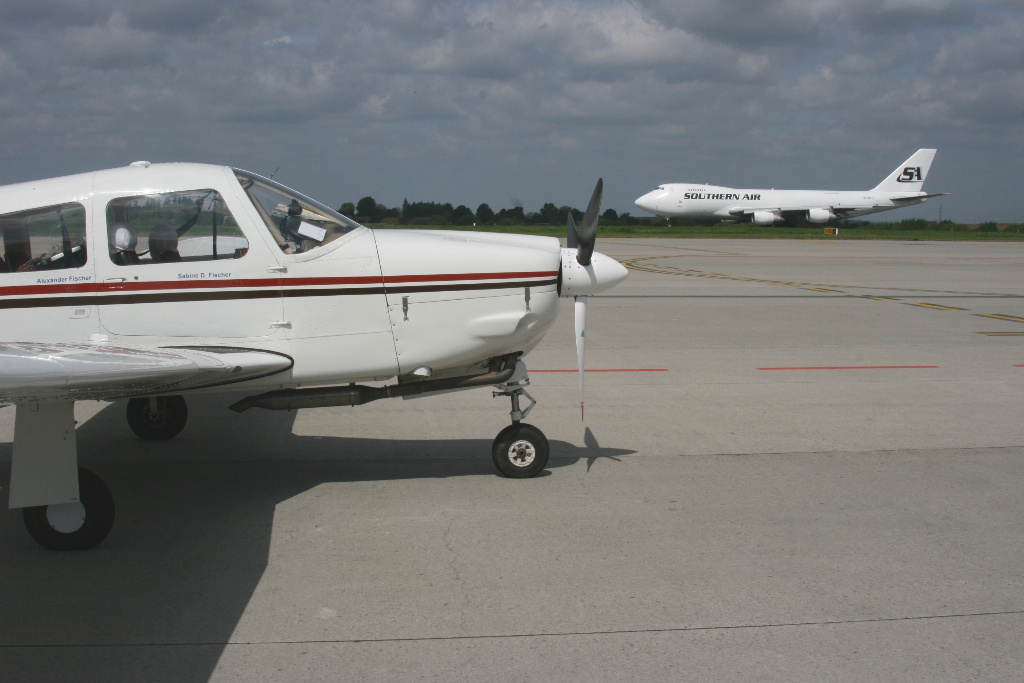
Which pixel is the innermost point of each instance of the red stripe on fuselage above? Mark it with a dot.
(460, 277)
(217, 283)
(114, 287)
(172, 285)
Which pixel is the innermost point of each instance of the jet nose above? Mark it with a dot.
(650, 201)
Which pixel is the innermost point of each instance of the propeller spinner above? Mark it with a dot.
(585, 272)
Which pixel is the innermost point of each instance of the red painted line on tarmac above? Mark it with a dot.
(860, 367)
(611, 370)
(838, 257)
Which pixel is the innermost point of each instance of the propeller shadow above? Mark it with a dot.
(160, 598)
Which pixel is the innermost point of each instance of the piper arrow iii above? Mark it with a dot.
(153, 281)
(792, 207)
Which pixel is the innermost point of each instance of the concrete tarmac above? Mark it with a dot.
(808, 464)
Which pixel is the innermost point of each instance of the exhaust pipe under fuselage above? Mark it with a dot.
(501, 369)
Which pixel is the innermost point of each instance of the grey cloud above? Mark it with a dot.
(897, 16)
(746, 22)
(188, 17)
(997, 47)
(18, 16)
(114, 45)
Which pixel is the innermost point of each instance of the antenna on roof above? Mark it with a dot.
(274, 173)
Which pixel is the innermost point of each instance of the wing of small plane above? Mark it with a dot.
(96, 371)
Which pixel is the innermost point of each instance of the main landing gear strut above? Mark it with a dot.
(45, 469)
(157, 418)
(78, 525)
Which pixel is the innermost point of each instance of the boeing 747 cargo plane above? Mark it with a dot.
(768, 207)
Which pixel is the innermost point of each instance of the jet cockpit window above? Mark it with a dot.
(48, 238)
(298, 224)
(172, 227)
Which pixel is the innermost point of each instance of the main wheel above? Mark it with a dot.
(163, 423)
(520, 451)
(74, 526)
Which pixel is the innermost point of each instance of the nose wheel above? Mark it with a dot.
(520, 450)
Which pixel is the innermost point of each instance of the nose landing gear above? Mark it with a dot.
(520, 450)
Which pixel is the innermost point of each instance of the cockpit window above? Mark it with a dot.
(170, 227)
(49, 238)
(297, 223)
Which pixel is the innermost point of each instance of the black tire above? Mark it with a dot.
(520, 451)
(166, 423)
(52, 525)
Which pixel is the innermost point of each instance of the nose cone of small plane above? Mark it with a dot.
(651, 202)
(601, 274)
(608, 271)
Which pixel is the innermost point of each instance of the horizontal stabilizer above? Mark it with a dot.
(918, 197)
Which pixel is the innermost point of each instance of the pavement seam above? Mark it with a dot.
(554, 634)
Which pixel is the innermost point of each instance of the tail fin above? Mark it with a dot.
(910, 175)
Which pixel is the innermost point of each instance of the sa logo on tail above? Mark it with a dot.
(911, 174)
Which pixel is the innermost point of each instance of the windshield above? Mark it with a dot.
(297, 223)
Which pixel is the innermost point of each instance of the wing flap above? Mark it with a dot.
(37, 371)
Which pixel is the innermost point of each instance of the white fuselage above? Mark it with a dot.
(361, 305)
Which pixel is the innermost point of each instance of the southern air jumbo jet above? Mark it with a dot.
(768, 207)
(156, 280)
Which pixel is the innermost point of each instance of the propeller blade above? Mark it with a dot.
(588, 231)
(572, 235)
(581, 340)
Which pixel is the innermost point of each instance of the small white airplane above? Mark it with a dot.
(792, 207)
(156, 280)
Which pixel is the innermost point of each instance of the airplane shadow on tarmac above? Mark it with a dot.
(191, 539)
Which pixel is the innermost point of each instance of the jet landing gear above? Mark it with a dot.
(520, 450)
(157, 418)
(74, 526)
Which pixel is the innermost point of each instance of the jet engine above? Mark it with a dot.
(766, 217)
(820, 216)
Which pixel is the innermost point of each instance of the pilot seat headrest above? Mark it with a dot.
(162, 238)
(122, 238)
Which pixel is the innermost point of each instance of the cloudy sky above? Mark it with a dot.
(525, 102)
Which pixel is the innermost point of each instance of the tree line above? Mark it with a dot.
(367, 210)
